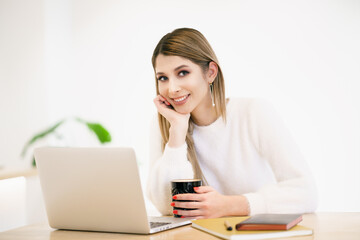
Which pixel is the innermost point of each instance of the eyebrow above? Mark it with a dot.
(177, 68)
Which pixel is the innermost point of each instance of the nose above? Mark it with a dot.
(173, 86)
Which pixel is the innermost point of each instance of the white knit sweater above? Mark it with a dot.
(252, 154)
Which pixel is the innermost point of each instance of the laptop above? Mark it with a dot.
(96, 189)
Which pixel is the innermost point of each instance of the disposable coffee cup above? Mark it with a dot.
(183, 186)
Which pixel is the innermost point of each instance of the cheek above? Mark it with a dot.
(201, 87)
(162, 89)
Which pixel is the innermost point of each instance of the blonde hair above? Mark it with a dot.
(192, 45)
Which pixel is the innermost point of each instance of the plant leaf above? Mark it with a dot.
(102, 134)
(33, 162)
(41, 135)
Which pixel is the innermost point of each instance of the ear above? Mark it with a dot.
(212, 72)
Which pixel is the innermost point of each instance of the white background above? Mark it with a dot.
(92, 59)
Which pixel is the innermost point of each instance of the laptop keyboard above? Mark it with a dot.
(158, 224)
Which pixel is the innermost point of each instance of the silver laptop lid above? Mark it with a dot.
(96, 189)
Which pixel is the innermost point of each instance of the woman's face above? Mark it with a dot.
(183, 83)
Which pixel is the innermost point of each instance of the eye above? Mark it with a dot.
(183, 73)
(162, 78)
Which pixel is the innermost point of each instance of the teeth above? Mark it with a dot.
(180, 99)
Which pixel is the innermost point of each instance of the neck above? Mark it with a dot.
(204, 114)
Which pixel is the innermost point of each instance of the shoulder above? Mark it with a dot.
(257, 113)
(248, 107)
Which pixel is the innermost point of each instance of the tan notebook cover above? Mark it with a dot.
(215, 226)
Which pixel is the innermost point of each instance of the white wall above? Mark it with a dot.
(22, 85)
(303, 56)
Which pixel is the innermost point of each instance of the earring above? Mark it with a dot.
(212, 94)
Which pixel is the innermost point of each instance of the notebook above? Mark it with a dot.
(96, 189)
(270, 222)
(215, 226)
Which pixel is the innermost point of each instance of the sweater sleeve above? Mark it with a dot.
(294, 190)
(164, 167)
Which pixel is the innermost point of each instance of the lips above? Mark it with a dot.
(181, 100)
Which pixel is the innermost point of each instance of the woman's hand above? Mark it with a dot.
(208, 203)
(179, 122)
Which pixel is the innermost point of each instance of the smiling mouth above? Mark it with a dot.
(181, 100)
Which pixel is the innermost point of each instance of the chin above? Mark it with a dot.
(183, 110)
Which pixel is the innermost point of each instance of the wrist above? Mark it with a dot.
(237, 206)
(177, 136)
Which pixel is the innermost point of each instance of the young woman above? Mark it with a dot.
(239, 147)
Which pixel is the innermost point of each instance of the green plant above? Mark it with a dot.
(101, 133)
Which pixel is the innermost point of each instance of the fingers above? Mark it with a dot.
(203, 189)
(164, 100)
(188, 205)
(194, 208)
(161, 100)
(188, 213)
(188, 209)
(164, 107)
(196, 196)
(189, 197)
(205, 203)
(158, 101)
